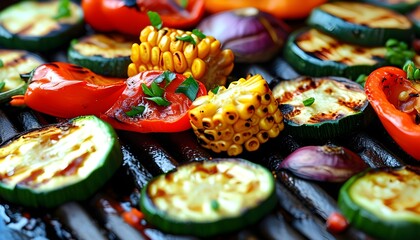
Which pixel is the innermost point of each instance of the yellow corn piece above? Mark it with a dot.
(160, 49)
(240, 117)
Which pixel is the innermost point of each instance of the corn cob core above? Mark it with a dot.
(244, 115)
(161, 50)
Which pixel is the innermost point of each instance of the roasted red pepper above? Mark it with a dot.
(152, 117)
(130, 16)
(65, 90)
(383, 88)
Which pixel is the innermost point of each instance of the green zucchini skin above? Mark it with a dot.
(50, 41)
(82, 188)
(358, 34)
(307, 63)
(111, 61)
(330, 116)
(205, 229)
(369, 221)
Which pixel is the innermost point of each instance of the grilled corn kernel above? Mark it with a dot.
(240, 117)
(205, 60)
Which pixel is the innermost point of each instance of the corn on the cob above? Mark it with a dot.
(160, 49)
(244, 115)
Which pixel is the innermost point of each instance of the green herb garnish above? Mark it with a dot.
(155, 94)
(184, 3)
(413, 73)
(168, 76)
(187, 38)
(63, 9)
(155, 19)
(398, 53)
(308, 102)
(215, 205)
(198, 33)
(189, 87)
(2, 84)
(215, 90)
(361, 79)
(136, 110)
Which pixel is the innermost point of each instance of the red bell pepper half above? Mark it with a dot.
(400, 118)
(139, 111)
(130, 16)
(65, 90)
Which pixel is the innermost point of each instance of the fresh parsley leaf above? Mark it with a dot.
(308, 102)
(398, 52)
(187, 38)
(189, 87)
(63, 9)
(198, 33)
(159, 101)
(155, 19)
(136, 110)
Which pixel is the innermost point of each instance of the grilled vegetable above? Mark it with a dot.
(396, 101)
(244, 115)
(402, 6)
(209, 198)
(312, 53)
(182, 52)
(415, 18)
(256, 37)
(54, 164)
(322, 108)
(383, 202)
(14, 63)
(66, 90)
(108, 55)
(361, 24)
(130, 16)
(155, 101)
(39, 25)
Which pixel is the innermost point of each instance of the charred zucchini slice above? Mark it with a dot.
(401, 6)
(360, 23)
(322, 108)
(107, 55)
(14, 63)
(313, 53)
(36, 25)
(384, 203)
(58, 163)
(209, 198)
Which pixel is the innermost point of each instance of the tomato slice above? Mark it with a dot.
(155, 118)
(65, 90)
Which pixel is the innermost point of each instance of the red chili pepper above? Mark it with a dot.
(131, 17)
(155, 118)
(65, 90)
(383, 87)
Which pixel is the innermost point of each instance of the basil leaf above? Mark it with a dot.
(156, 90)
(146, 90)
(187, 38)
(136, 110)
(308, 102)
(198, 33)
(189, 87)
(2, 84)
(63, 9)
(159, 101)
(155, 19)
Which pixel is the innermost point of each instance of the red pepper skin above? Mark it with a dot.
(382, 86)
(65, 90)
(172, 118)
(115, 15)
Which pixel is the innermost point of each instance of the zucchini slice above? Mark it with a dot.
(313, 53)
(62, 162)
(384, 202)
(107, 55)
(209, 198)
(360, 23)
(401, 6)
(322, 108)
(33, 26)
(14, 63)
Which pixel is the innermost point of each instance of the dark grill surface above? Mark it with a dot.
(302, 208)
